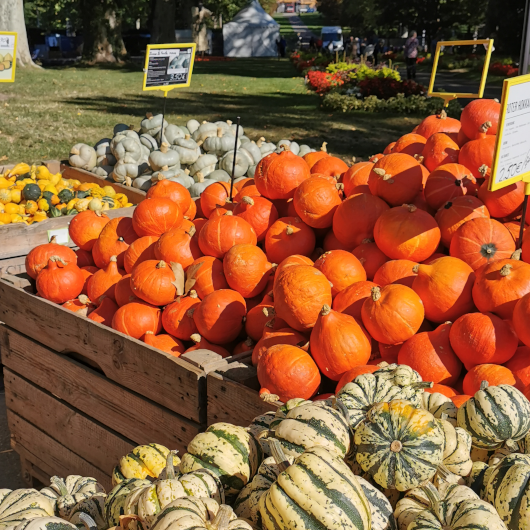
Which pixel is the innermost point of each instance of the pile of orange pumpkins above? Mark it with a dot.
(322, 270)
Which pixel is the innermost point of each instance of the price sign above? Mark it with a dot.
(511, 162)
(8, 51)
(168, 66)
(62, 236)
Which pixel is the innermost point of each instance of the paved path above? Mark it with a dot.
(298, 26)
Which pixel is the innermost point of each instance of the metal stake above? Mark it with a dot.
(234, 164)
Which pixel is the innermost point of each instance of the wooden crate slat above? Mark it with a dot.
(135, 417)
(157, 375)
(48, 454)
(13, 266)
(91, 441)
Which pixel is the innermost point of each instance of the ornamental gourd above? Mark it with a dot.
(457, 447)
(438, 404)
(83, 156)
(23, 505)
(116, 499)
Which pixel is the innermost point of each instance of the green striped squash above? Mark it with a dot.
(380, 508)
(495, 415)
(203, 483)
(524, 445)
(229, 451)
(317, 492)
(281, 412)
(457, 449)
(45, 523)
(116, 499)
(144, 461)
(508, 490)
(259, 428)
(480, 455)
(476, 478)
(311, 425)
(398, 374)
(400, 445)
(368, 389)
(18, 505)
(92, 506)
(438, 404)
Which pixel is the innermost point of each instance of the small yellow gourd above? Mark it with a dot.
(121, 198)
(2, 208)
(42, 172)
(97, 192)
(51, 188)
(75, 183)
(5, 196)
(19, 169)
(4, 183)
(71, 204)
(11, 208)
(109, 191)
(105, 207)
(128, 205)
(55, 199)
(40, 216)
(31, 207)
(16, 218)
(5, 218)
(82, 205)
(43, 205)
(55, 179)
(42, 184)
(95, 205)
(16, 195)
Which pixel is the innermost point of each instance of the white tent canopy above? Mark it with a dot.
(251, 33)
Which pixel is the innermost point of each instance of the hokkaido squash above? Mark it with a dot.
(123, 292)
(258, 212)
(438, 123)
(60, 281)
(165, 342)
(476, 113)
(355, 179)
(103, 282)
(114, 240)
(477, 154)
(154, 217)
(330, 166)
(171, 190)
(280, 336)
(316, 200)
(137, 318)
(504, 202)
(214, 196)
(84, 258)
(350, 300)
(410, 144)
(341, 268)
(521, 316)
(200, 343)
(519, 365)
(105, 311)
(39, 257)
(154, 282)
(177, 317)
(312, 158)
(399, 271)
(287, 236)
(447, 182)
(178, 246)
(206, 275)
(85, 228)
(440, 149)
(140, 250)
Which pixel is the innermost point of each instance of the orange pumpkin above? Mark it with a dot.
(370, 256)
(478, 152)
(355, 180)
(114, 240)
(396, 271)
(355, 219)
(477, 112)
(207, 275)
(456, 212)
(299, 294)
(85, 228)
(406, 232)
(295, 259)
(437, 123)
(288, 372)
(177, 317)
(519, 365)
(153, 282)
(243, 346)
(246, 269)
(331, 166)
(341, 268)
(350, 375)
(312, 158)
(445, 390)
(500, 285)
(495, 375)
(171, 190)
(332, 243)
(123, 292)
(513, 226)
(137, 318)
(439, 149)
(431, 355)
(504, 202)
(178, 246)
(410, 144)
(261, 318)
(480, 241)
(316, 200)
(447, 182)
(84, 258)
(191, 212)
(60, 281)
(103, 282)
(105, 311)
(154, 217)
(79, 305)
(164, 342)
(220, 234)
(520, 319)
(280, 336)
(278, 175)
(389, 352)
(258, 212)
(458, 401)
(482, 338)
(388, 149)
(350, 300)
(445, 288)
(287, 236)
(392, 314)
(338, 343)
(87, 274)
(39, 257)
(140, 250)
(397, 178)
(214, 196)
(219, 317)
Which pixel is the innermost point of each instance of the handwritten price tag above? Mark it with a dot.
(61, 236)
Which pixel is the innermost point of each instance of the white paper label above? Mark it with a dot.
(61, 236)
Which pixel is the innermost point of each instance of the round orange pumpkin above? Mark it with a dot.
(200, 343)
(396, 271)
(287, 236)
(504, 202)
(480, 241)
(153, 281)
(331, 166)
(207, 273)
(214, 196)
(136, 319)
(114, 240)
(178, 246)
(164, 342)
(495, 375)
(60, 281)
(392, 314)
(105, 312)
(445, 390)
(295, 259)
(103, 282)
(84, 258)
(332, 243)
(171, 190)
(520, 319)
(177, 317)
(439, 149)
(85, 227)
(260, 319)
(219, 317)
(123, 292)
(370, 256)
(258, 212)
(519, 365)
(406, 232)
(341, 268)
(477, 112)
(410, 144)
(280, 336)
(438, 123)
(154, 217)
(87, 274)
(459, 400)
(350, 300)
(140, 250)
(447, 182)
(350, 375)
(288, 372)
(355, 180)
(478, 153)
(191, 212)
(312, 158)
(39, 257)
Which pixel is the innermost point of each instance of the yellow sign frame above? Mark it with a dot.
(525, 177)
(447, 96)
(14, 65)
(167, 88)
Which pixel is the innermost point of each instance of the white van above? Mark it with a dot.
(332, 34)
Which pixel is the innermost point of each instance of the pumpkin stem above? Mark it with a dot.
(219, 132)
(416, 268)
(170, 468)
(60, 485)
(269, 398)
(448, 205)
(458, 182)
(159, 265)
(114, 259)
(326, 310)
(164, 147)
(74, 151)
(191, 232)
(84, 299)
(376, 293)
(366, 241)
(248, 200)
(59, 259)
(289, 230)
(228, 213)
(229, 122)
(517, 255)
(187, 136)
(271, 294)
(249, 342)
(485, 126)
(87, 521)
(384, 364)
(442, 115)
(164, 168)
(324, 147)
(270, 323)
(483, 169)
(422, 384)
(353, 159)
(506, 269)
(484, 385)
(189, 312)
(396, 446)
(193, 294)
(196, 338)
(278, 454)
(199, 177)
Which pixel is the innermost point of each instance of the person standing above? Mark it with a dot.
(411, 55)
(283, 46)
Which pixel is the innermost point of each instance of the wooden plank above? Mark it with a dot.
(129, 414)
(13, 266)
(49, 455)
(232, 402)
(90, 440)
(33, 475)
(167, 380)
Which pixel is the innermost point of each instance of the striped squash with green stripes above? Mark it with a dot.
(508, 490)
(495, 415)
(368, 389)
(203, 483)
(45, 523)
(398, 374)
(400, 445)
(438, 404)
(259, 428)
(317, 492)
(94, 507)
(480, 455)
(116, 499)
(524, 445)
(380, 507)
(18, 505)
(229, 451)
(311, 425)
(142, 462)
(457, 449)
(476, 478)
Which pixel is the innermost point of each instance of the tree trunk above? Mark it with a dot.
(12, 19)
(102, 40)
(163, 22)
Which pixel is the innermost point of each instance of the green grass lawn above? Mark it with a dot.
(314, 21)
(46, 111)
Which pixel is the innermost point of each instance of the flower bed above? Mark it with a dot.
(504, 70)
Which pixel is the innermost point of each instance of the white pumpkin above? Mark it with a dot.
(204, 164)
(128, 147)
(148, 141)
(242, 163)
(164, 157)
(152, 124)
(188, 150)
(83, 156)
(172, 133)
(192, 126)
(221, 143)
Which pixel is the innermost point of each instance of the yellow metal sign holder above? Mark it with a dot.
(13, 54)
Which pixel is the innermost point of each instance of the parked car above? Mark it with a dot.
(289, 8)
(332, 34)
